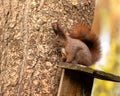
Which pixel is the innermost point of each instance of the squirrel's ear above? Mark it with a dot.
(54, 26)
(58, 29)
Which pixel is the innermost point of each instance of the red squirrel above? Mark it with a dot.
(79, 44)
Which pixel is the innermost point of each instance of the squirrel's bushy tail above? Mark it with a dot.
(82, 32)
(93, 44)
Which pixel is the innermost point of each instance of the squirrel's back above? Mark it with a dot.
(82, 32)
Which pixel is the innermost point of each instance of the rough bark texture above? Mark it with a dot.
(27, 57)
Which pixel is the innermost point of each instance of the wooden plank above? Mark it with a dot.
(61, 81)
(95, 73)
(75, 83)
(106, 76)
(76, 67)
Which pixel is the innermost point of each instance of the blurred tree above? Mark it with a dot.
(109, 12)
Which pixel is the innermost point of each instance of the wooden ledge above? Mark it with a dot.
(95, 73)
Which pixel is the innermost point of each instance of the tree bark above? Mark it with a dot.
(28, 58)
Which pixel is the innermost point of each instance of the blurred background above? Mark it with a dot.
(107, 24)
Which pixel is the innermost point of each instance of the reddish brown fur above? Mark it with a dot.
(79, 31)
(82, 32)
(80, 44)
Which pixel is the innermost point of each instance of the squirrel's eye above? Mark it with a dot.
(58, 41)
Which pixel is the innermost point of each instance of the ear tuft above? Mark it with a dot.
(55, 27)
(58, 29)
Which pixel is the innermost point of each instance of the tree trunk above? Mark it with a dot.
(28, 58)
